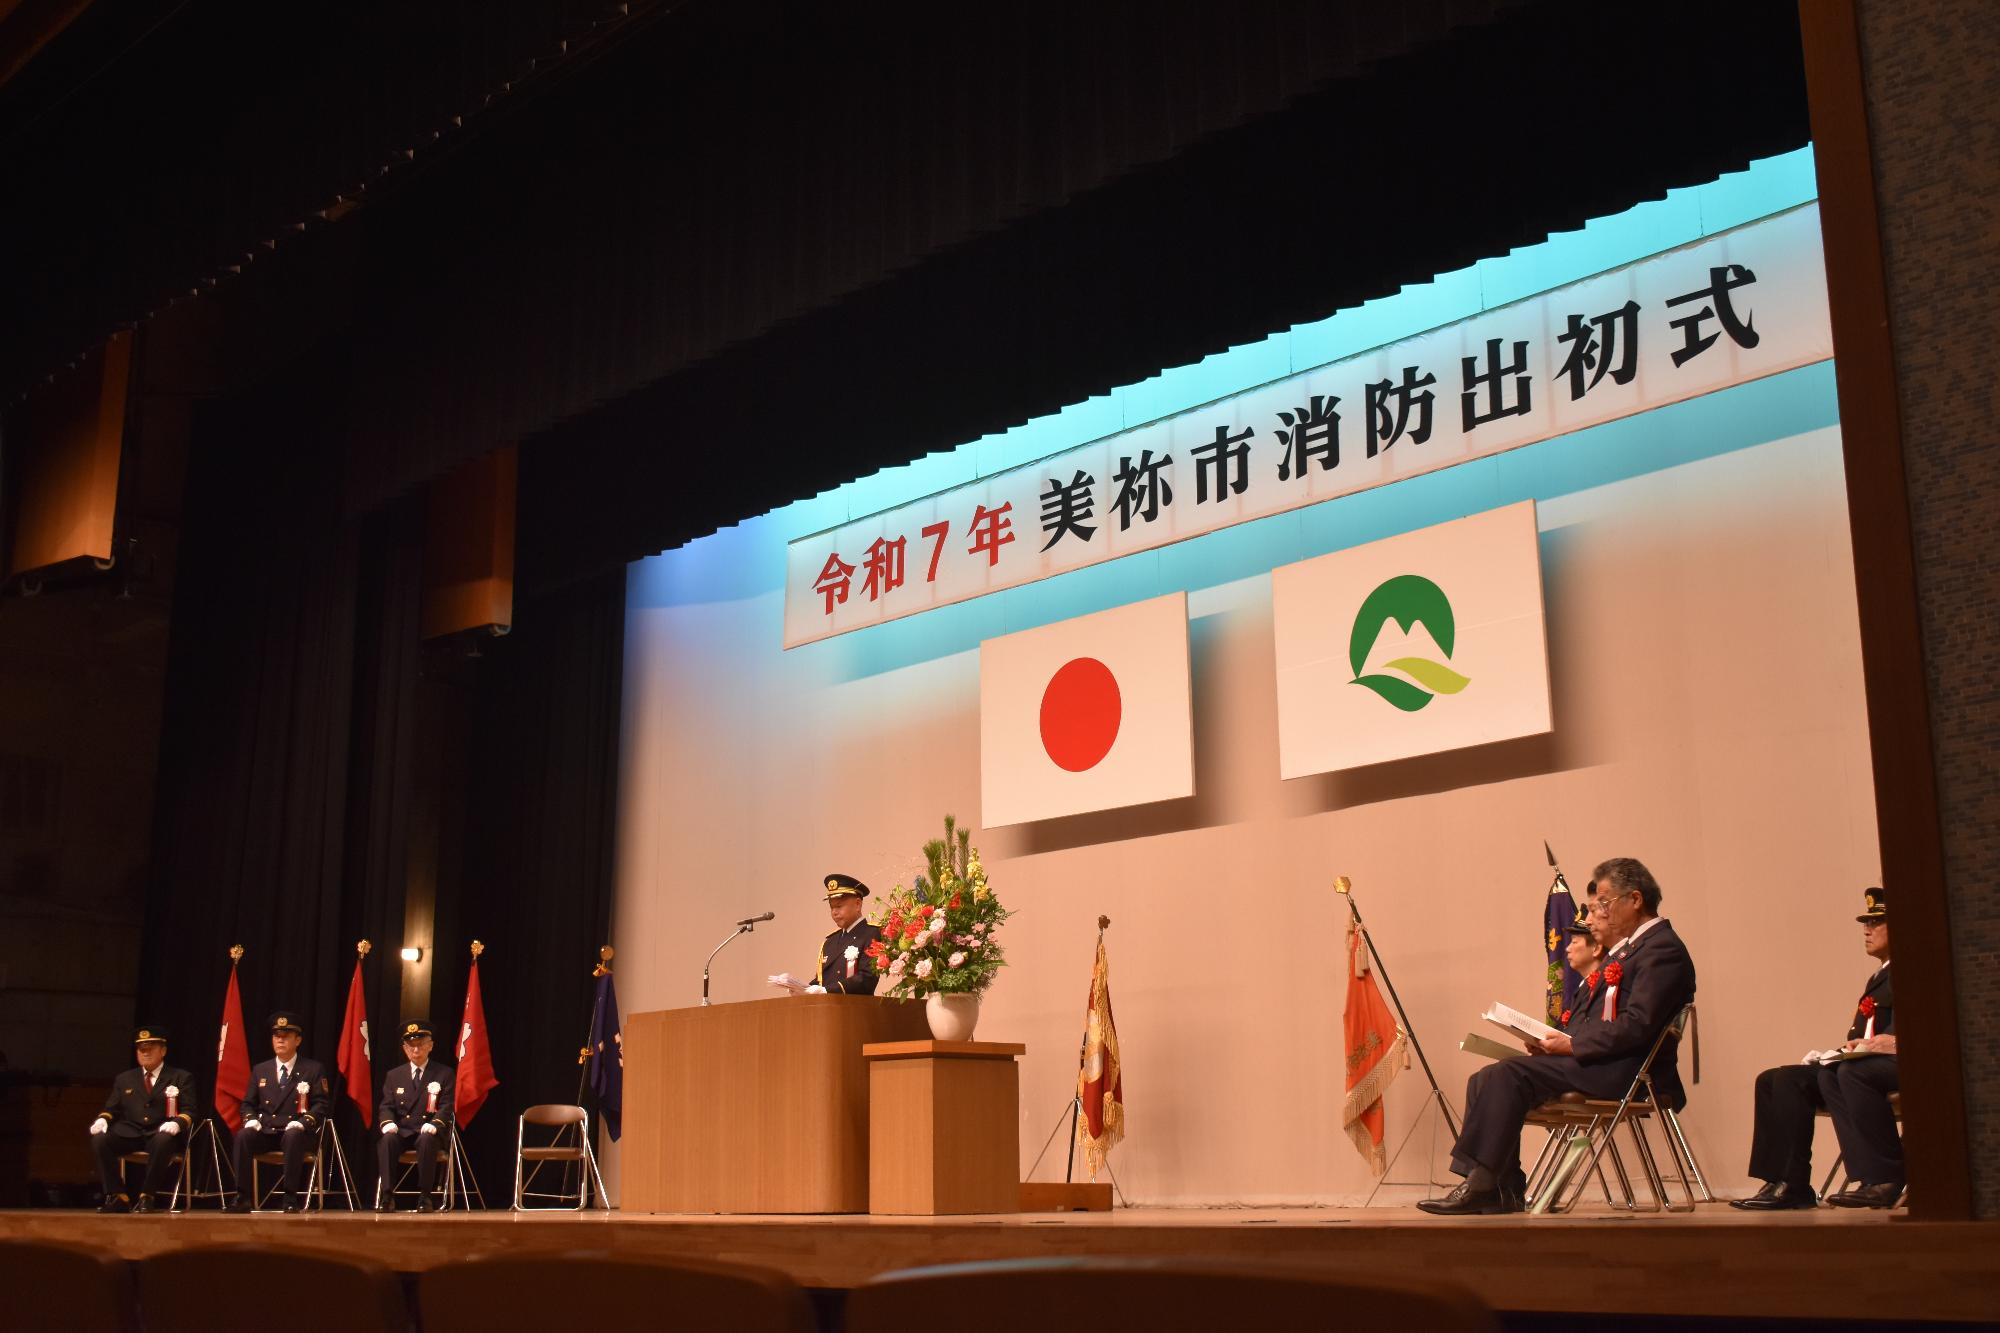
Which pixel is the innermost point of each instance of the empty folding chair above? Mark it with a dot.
(568, 1148)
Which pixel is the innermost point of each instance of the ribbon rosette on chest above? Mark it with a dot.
(431, 1099)
(1613, 974)
(304, 1088)
(173, 1099)
(850, 953)
(1867, 1016)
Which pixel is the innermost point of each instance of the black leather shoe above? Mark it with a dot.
(386, 1206)
(294, 1206)
(427, 1205)
(115, 1203)
(1868, 1196)
(1466, 1201)
(239, 1204)
(1777, 1196)
(145, 1205)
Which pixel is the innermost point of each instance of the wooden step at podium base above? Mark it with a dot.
(1065, 1197)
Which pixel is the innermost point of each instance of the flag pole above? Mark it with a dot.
(1345, 888)
(602, 969)
(1082, 1055)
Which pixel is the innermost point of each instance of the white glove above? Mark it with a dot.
(292, 1125)
(171, 1127)
(254, 1124)
(389, 1127)
(815, 990)
(99, 1125)
(428, 1129)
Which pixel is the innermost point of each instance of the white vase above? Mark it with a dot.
(952, 1017)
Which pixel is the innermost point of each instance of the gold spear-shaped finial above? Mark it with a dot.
(1342, 884)
(361, 949)
(235, 953)
(477, 949)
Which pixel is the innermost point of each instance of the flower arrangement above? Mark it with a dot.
(939, 937)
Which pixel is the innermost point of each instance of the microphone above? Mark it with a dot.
(743, 927)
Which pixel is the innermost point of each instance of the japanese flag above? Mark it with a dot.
(1086, 714)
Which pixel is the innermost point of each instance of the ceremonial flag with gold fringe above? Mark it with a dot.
(1101, 1082)
(475, 1053)
(232, 1052)
(354, 1057)
(1377, 1050)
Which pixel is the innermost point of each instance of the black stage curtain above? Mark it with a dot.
(306, 728)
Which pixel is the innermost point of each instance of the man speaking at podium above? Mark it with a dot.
(844, 965)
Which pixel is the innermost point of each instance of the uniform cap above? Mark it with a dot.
(844, 886)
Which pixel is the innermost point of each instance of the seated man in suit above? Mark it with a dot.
(1646, 982)
(1855, 1091)
(414, 1115)
(149, 1110)
(289, 1096)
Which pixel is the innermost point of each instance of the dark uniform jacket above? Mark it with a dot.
(1656, 982)
(136, 1114)
(404, 1097)
(1884, 995)
(274, 1105)
(833, 960)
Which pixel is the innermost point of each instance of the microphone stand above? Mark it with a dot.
(742, 928)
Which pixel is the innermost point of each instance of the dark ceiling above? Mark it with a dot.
(701, 259)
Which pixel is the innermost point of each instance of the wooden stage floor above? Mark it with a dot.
(1717, 1261)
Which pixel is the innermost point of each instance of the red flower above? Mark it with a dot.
(1613, 973)
(957, 900)
(1868, 1006)
(925, 911)
(876, 949)
(1565, 1018)
(911, 930)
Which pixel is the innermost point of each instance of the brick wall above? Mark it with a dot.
(1932, 75)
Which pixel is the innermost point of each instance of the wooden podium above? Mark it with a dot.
(758, 1107)
(945, 1127)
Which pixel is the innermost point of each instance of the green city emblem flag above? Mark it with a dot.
(1409, 600)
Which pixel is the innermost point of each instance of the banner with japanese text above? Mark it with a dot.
(1734, 307)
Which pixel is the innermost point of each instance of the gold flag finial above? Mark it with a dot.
(477, 949)
(1342, 884)
(361, 949)
(1103, 924)
(235, 953)
(603, 967)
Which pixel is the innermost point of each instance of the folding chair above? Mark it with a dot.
(1599, 1121)
(565, 1121)
(185, 1160)
(316, 1183)
(459, 1189)
(1840, 1159)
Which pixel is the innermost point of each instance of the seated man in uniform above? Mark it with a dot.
(844, 965)
(1646, 982)
(416, 1110)
(289, 1096)
(1585, 952)
(1855, 1091)
(149, 1109)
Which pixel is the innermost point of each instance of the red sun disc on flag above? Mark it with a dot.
(1080, 714)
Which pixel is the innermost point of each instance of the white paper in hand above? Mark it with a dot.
(1521, 1025)
(786, 981)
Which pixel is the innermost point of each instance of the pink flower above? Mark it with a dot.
(896, 967)
(958, 959)
(924, 967)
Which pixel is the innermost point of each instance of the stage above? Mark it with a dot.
(1823, 1264)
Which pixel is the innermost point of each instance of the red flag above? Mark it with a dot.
(1377, 1051)
(353, 1060)
(475, 1056)
(1100, 1084)
(232, 1053)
